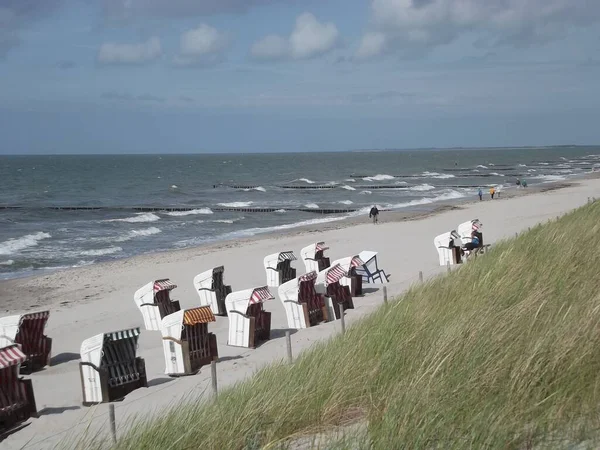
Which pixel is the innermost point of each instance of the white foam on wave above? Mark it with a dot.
(102, 251)
(281, 211)
(255, 231)
(350, 180)
(311, 206)
(549, 178)
(306, 180)
(222, 221)
(346, 202)
(496, 174)
(236, 204)
(366, 192)
(481, 166)
(9, 262)
(190, 212)
(421, 187)
(138, 218)
(17, 244)
(133, 234)
(379, 177)
(544, 164)
(348, 188)
(522, 165)
(437, 175)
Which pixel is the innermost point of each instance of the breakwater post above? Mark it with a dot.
(288, 339)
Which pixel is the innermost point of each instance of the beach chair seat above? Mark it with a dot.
(314, 258)
(28, 331)
(340, 295)
(109, 367)
(279, 269)
(154, 302)
(187, 344)
(303, 306)
(212, 290)
(249, 323)
(352, 278)
(335, 294)
(17, 402)
(448, 246)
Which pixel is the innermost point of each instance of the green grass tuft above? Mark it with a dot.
(503, 353)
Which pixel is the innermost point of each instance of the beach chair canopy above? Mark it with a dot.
(310, 251)
(331, 275)
(147, 293)
(11, 355)
(276, 258)
(240, 300)
(290, 289)
(349, 262)
(445, 240)
(172, 325)
(92, 349)
(370, 270)
(464, 229)
(29, 326)
(205, 280)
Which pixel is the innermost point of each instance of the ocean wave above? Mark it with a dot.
(138, 218)
(306, 180)
(281, 211)
(311, 206)
(346, 202)
(222, 221)
(496, 174)
(17, 244)
(137, 233)
(379, 177)
(421, 187)
(348, 188)
(102, 251)
(258, 188)
(549, 178)
(350, 180)
(254, 231)
(365, 192)
(481, 166)
(236, 204)
(437, 175)
(190, 212)
(522, 165)
(10, 262)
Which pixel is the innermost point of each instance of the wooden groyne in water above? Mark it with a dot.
(186, 208)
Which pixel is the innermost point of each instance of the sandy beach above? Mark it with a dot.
(99, 298)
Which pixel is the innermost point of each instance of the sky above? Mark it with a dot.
(179, 76)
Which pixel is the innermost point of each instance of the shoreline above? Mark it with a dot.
(51, 278)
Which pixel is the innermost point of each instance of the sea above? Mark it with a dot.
(59, 212)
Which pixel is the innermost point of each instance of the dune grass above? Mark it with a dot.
(502, 353)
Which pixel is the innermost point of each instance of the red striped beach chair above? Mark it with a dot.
(328, 283)
(154, 302)
(303, 306)
(187, 344)
(314, 257)
(17, 403)
(278, 267)
(28, 331)
(352, 279)
(249, 323)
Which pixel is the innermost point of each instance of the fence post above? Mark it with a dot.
(448, 266)
(420, 276)
(342, 318)
(516, 235)
(288, 339)
(528, 228)
(113, 426)
(385, 300)
(213, 377)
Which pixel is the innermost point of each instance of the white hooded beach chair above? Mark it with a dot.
(369, 270)
(352, 279)
(303, 306)
(328, 284)
(448, 246)
(17, 403)
(212, 290)
(314, 257)
(154, 302)
(187, 344)
(109, 366)
(28, 331)
(279, 269)
(464, 230)
(249, 323)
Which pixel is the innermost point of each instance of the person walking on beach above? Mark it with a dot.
(480, 193)
(518, 183)
(492, 192)
(374, 213)
(524, 183)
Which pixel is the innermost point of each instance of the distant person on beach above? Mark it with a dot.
(524, 183)
(518, 183)
(492, 192)
(374, 213)
(480, 193)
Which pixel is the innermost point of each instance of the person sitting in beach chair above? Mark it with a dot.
(476, 242)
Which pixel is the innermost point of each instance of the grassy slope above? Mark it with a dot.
(504, 353)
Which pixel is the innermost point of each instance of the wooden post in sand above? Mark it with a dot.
(385, 295)
(288, 339)
(448, 266)
(113, 426)
(342, 318)
(213, 377)
(420, 276)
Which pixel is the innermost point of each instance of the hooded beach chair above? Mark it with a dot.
(154, 302)
(303, 306)
(369, 270)
(279, 268)
(448, 246)
(186, 341)
(314, 257)
(465, 229)
(352, 279)
(249, 323)
(328, 284)
(212, 291)
(109, 367)
(17, 403)
(28, 331)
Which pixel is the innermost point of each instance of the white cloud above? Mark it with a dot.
(424, 24)
(201, 46)
(111, 53)
(309, 38)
